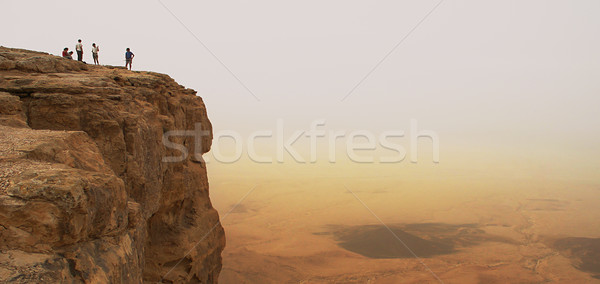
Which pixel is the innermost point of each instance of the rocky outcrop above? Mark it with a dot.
(84, 193)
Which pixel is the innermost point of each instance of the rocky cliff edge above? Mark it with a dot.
(84, 193)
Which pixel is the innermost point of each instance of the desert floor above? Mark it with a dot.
(316, 227)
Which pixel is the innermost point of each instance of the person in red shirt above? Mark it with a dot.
(67, 54)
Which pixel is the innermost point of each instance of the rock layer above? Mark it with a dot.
(85, 195)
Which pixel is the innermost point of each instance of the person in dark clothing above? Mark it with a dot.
(128, 58)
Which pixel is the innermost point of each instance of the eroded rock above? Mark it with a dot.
(84, 193)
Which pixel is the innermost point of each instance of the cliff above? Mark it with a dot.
(84, 193)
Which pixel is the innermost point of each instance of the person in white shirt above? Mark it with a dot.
(95, 49)
(79, 49)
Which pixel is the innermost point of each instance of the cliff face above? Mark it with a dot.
(84, 193)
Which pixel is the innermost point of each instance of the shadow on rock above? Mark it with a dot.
(408, 240)
(585, 253)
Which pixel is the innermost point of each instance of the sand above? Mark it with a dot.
(462, 230)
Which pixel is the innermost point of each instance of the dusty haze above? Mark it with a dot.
(510, 87)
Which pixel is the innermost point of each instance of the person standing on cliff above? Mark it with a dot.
(95, 50)
(128, 58)
(79, 49)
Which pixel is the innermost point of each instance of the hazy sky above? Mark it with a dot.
(521, 76)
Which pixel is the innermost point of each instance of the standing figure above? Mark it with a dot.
(95, 50)
(79, 49)
(128, 58)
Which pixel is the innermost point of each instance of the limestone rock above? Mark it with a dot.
(84, 193)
